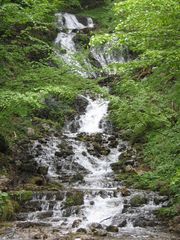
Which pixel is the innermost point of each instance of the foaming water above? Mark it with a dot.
(69, 26)
(91, 155)
(95, 112)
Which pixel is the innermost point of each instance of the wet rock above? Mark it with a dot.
(124, 191)
(129, 169)
(43, 170)
(77, 178)
(127, 154)
(38, 180)
(82, 20)
(129, 162)
(3, 182)
(37, 236)
(112, 138)
(65, 150)
(58, 154)
(30, 132)
(84, 154)
(39, 147)
(76, 223)
(74, 199)
(112, 228)
(113, 144)
(142, 222)
(125, 208)
(46, 214)
(33, 206)
(95, 226)
(32, 224)
(103, 193)
(42, 141)
(138, 200)
(74, 126)
(81, 39)
(92, 203)
(160, 199)
(123, 223)
(28, 165)
(117, 166)
(82, 230)
(21, 216)
(59, 195)
(67, 212)
(99, 149)
(122, 147)
(81, 103)
(100, 233)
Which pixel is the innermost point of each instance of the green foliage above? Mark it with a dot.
(168, 212)
(139, 110)
(29, 71)
(145, 102)
(22, 196)
(148, 25)
(20, 98)
(74, 199)
(101, 16)
(7, 207)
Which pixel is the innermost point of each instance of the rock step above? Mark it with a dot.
(39, 205)
(49, 195)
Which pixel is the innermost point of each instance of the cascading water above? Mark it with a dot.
(90, 121)
(82, 160)
(69, 26)
(105, 56)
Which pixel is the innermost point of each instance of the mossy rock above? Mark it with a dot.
(118, 166)
(74, 199)
(22, 196)
(138, 200)
(82, 39)
(8, 207)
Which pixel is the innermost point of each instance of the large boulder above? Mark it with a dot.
(138, 200)
(81, 104)
(112, 228)
(74, 199)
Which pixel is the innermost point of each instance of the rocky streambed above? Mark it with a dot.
(91, 205)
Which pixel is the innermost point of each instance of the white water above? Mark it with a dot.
(65, 40)
(70, 21)
(105, 55)
(68, 24)
(95, 112)
(102, 202)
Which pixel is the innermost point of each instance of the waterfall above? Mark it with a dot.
(82, 159)
(95, 112)
(69, 26)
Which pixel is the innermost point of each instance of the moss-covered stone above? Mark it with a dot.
(74, 199)
(22, 196)
(138, 200)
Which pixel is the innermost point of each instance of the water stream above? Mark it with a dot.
(92, 202)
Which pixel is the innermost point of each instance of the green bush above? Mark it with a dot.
(7, 207)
